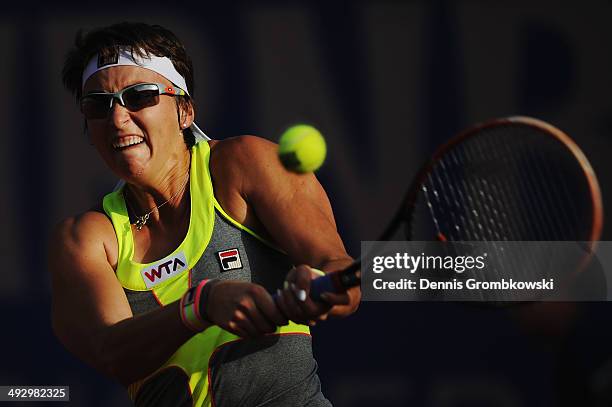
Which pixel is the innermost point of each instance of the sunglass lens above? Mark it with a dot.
(95, 106)
(136, 99)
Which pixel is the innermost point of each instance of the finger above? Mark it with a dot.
(309, 307)
(233, 327)
(261, 324)
(291, 308)
(266, 306)
(301, 278)
(257, 324)
(243, 322)
(280, 303)
(301, 306)
(300, 285)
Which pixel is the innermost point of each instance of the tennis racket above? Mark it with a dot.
(511, 179)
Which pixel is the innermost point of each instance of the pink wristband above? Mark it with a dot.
(189, 306)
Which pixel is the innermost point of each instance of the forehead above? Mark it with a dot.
(118, 77)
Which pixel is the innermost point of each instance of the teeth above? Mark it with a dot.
(127, 141)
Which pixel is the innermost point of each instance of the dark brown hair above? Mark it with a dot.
(141, 40)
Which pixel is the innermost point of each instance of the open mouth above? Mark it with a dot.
(126, 142)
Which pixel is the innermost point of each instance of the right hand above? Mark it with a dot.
(244, 309)
(305, 310)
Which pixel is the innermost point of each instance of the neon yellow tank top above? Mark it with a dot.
(216, 246)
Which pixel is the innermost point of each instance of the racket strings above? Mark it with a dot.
(561, 215)
(557, 217)
(441, 184)
(481, 207)
(532, 261)
(483, 204)
(457, 201)
(504, 203)
(494, 229)
(535, 198)
(536, 204)
(502, 195)
(524, 263)
(527, 210)
(520, 194)
(466, 197)
(472, 199)
(554, 217)
(559, 177)
(509, 183)
(548, 226)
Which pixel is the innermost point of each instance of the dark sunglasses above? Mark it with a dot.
(97, 105)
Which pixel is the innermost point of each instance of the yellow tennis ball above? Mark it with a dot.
(302, 148)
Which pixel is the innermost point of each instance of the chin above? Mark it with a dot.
(128, 170)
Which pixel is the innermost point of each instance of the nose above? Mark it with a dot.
(118, 114)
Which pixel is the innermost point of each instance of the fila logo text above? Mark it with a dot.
(230, 259)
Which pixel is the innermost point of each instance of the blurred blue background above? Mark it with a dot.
(385, 81)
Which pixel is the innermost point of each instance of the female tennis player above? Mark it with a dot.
(166, 285)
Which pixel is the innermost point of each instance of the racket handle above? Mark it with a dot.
(336, 282)
(319, 286)
(322, 285)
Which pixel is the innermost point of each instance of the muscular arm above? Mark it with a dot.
(90, 313)
(294, 209)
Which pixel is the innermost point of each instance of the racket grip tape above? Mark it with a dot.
(326, 284)
(320, 285)
(336, 282)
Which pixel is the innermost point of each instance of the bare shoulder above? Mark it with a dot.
(81, 234)
(86, 295)
(82, 224)
(243, 152)
(249, 166)
(239, 167)
(292, 208)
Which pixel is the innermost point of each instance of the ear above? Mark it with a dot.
(186, 114)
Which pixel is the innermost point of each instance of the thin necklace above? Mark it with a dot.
(142, 220)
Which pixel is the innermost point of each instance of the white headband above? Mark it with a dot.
(160, 65)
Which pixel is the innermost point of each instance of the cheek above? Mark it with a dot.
(158, 124)
(161, 123)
